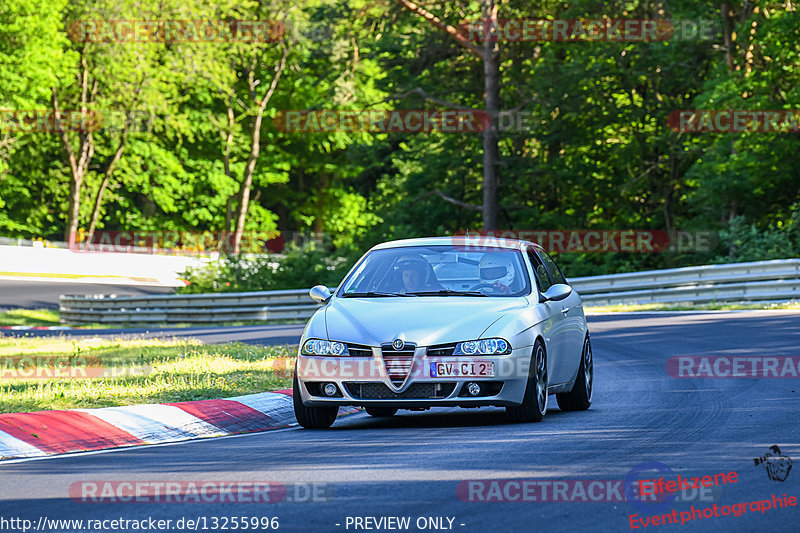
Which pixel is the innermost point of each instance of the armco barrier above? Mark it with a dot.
(761, 281)
(187, 308)
(739, 282)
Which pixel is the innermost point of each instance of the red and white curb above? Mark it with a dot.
(44, 433)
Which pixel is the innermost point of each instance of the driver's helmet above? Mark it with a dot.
(497, 267)
(413, 263)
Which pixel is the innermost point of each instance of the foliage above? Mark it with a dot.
(594, 152)
(298, 268)
(747, 242)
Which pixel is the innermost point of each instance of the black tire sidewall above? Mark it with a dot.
(311, 417)
(577, 399)
(529, 410)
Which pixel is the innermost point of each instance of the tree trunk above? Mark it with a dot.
(319, 216)
(732, 250)
(730, 49)
(727, 34)
(255, 149)
(77, 164)
(491, 72)
(226, 161)
(490, 56)
(73, 210)
(98, 201)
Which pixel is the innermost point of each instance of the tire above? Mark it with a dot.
(580, 397)
(380, 412)
(311, 417)
(534, 402)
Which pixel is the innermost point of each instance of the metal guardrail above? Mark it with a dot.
(739, 282)
(187, 308)
(760, 281)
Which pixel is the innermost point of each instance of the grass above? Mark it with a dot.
(139, 371)
(30, 317)
(793, 304)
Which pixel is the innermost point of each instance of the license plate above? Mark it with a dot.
(482, 369)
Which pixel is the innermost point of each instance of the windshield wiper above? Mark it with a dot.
(373, 294)
(448, 292)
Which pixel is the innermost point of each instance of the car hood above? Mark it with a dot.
(422, 320)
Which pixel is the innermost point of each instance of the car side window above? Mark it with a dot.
(542, 278)
(558, 277)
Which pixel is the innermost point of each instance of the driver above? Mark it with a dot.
(414, 274)
(497, 270)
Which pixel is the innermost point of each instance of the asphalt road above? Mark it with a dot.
(411, 465)
(41, 294)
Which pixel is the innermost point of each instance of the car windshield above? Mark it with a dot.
(446, 270)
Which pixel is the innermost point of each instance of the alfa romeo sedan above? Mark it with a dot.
(445, 321)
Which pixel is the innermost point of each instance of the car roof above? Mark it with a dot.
(478, 241)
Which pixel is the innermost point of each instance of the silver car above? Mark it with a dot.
(445, 321)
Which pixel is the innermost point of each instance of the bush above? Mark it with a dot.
(747, 242)
(298, 268)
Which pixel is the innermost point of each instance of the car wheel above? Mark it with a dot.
(580, 397)
(311, 417)
(380, 412)
(534, 403)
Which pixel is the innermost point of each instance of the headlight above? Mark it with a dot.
(483, 347)
(323, 347)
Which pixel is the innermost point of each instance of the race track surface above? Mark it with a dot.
(411, 465)
(40, 294)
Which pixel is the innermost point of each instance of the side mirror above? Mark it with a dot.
(319, 293)
(557, 292)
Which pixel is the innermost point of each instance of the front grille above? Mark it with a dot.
(397, 362)
(441, 350)
(359, 350)
(417, 391)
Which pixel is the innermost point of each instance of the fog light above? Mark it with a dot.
(329, 389)
(473, 388)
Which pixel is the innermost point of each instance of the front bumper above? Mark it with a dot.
(364, 381)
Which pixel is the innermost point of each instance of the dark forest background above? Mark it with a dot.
(199, 149)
